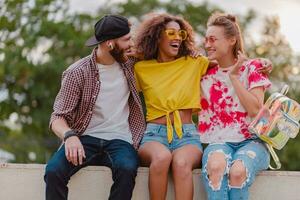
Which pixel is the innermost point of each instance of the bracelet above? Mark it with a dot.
(68, 134)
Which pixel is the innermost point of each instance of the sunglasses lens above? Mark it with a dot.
(173, 34)
(182, 34)
(170, 34)
(210, 40)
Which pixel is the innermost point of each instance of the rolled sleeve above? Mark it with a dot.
(256, 78)
(67, 98)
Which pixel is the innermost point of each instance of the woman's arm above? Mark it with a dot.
(251, 100)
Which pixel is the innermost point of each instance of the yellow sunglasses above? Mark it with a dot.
(173, 34)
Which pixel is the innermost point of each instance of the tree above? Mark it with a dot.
(38, 41)
(195, 13)
(274, 46)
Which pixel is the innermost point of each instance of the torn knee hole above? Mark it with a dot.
(216, 169)
(215, 182)
(217, 163)
(238, 175)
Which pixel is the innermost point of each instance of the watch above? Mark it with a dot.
(68, 134)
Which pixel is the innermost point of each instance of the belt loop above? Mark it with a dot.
(159, 126)
(183, 128)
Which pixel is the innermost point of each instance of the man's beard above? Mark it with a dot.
(118, 54)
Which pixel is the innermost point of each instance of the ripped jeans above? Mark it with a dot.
(254, 156)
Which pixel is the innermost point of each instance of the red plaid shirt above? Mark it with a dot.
(78, 93)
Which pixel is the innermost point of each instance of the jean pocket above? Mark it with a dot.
(191, 133)
(149, 133)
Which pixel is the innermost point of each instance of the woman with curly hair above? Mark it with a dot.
(170, 82)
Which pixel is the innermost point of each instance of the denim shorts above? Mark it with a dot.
(158, 133)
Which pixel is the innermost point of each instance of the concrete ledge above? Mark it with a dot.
(25, 181)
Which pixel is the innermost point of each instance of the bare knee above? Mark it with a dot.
(161, 162)
(216, 166)
(216, 163)
(181, 167)
(237, 174)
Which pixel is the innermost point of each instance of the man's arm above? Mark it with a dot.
(60, 127)
(74, 150)
(64, 106)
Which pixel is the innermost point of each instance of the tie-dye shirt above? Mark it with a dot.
(223, 118)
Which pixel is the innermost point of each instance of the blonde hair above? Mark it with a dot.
(231, 29)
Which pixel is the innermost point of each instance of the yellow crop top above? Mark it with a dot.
(169, 87)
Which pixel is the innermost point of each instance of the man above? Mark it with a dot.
(98, 114)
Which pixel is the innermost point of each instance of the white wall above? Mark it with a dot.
(25, 182)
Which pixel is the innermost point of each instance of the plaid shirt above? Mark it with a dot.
(80, 87)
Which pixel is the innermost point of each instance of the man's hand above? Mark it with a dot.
(74, 150)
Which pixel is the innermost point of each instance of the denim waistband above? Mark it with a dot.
(161, 127)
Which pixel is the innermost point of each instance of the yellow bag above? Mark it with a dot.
(276, 122)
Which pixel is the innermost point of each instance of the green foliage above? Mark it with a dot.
(40, 38)
(274, 46)
(196, 14)
(38, 41)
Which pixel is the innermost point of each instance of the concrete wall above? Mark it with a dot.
(25, 182)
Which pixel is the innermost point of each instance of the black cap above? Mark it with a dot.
(107, 28)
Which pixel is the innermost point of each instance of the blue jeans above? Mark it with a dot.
(253, 154)
(158, 133)
(118, 155)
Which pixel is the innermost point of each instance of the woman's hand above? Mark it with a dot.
(196, 54)
(212, 63)
(236, 67)
(266, 66)
(131, 52)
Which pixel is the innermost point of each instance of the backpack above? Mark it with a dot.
(277, 122)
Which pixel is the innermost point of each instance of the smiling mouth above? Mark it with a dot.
(175, 46)
(210, 51)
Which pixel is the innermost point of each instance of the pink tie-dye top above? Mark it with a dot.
(223, 118)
